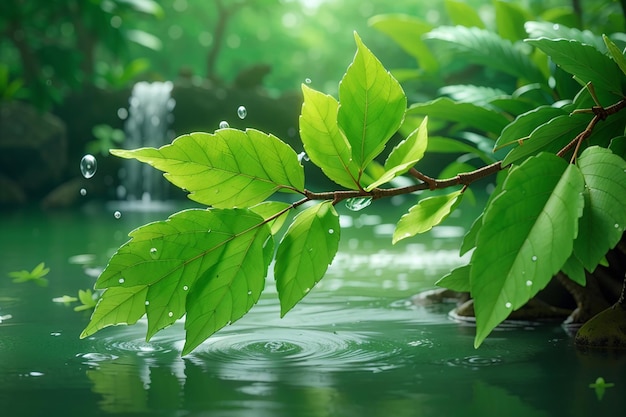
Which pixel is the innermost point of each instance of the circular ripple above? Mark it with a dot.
(310, 348)
(474, 361)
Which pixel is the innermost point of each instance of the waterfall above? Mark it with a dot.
(147, 124)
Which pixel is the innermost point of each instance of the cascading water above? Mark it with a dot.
(148, 123)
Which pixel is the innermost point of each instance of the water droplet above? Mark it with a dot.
(616, 226)
(83, 192)
(55, 334)
(331, 231)
(307, 80)
(185, 288)
(117, 214)
(154, 253)
(88, 166)
(35, 373)
(529, 283)
(249, 292)
(171, 314)
(534, 258)
(508, 305)
(306, 290)
(242, 112)
(224, 124)
(121, 280)
(147, 303)
(555, 26)
(358, 203)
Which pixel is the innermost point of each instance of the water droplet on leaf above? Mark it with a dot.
(307, 80)
(534, 258)
(117, 214)
(88, 166)
(224, 124)
(616, 226)
(249, 292)
(306, 290)
(154, 253)
(331, 231)
(508, 305)
(121, 280)
(147, 302)
(185, 288)
(529, 283)
(171, 314)
(242, 112)
(358, 203)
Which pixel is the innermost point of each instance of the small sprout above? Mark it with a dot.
(37, 274)
(88, 300)
(600, 386)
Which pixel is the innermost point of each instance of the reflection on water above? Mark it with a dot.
(356, 346)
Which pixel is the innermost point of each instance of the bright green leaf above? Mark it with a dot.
(510, 19)
(228, 168)
(323, 141)
(428, 213)
(551, 136)
(270, 209)
(604, 216)
(523, 125)
(527, 235)
(118, 305)
(405, 155)
(467, 113)
(372, 105)
(583, 61)
(575, 270)
(304, 253)
(457, 280)
(463, 14)
(438, 144)
(616, 54)
(469, 240)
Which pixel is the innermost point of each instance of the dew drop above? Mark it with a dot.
(529, 283)
(83, 192)
(249, 292)
(171, 314)
(147, 303)
(508, 305)
(185, 288)
(224, 124)
(307, 80)
(331, 231)
(555, 26)
(534, 258)
(154, 253)
(121, 280)
(306, 290)
(242, 112)
(616, 226)
(88, 166)
(358, 203)
(117, 214)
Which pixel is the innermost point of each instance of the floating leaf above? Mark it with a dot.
(372, 105)
(428, 213)
(228, 168)
(404, 156)
(37, 275)
(323, 141)
(604, 217)
(304, 253)
(527, 235)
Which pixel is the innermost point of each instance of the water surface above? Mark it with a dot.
(356, 346)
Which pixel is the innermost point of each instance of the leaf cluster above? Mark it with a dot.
(36, 275)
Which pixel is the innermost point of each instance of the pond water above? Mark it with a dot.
(356, 346)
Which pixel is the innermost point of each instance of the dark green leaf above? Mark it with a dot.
(457, 280)
(604, 217)
(575, 270)
(469, 240)
(372, 105)
(426, 214)
(616, 54)
(527, 235)
(304, 253)
(583, 61)
(228, 168)
(521, 128)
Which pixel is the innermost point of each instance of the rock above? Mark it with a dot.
(65, 195)
(605, 330)
(33, 147)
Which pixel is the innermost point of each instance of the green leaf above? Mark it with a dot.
(464, 93)
(37, 275)
(523, 125)
(438, 144)
(166, 258)
(510, 19)
(372, 105)
(467, 113)
(87, 299)
(457, 280)
(229, 288)
(270, 209)
(304, 253)
(483, 47)
(551, 136)
(228, 168)
(557, 31)
(407, 32)
(575, 270)
(604, 217)
(527, 235)
(323, 141)
(616, 54)
(428, 213)
(469, 240)
(583, 61)
(405, 155)
(463, 14)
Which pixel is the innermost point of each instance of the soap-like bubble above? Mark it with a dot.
(88, 166)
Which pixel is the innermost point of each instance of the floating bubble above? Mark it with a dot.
(117, 214)
(224, 124)
(358, 203)
(88, 166)
(242, 112)
(83, 192)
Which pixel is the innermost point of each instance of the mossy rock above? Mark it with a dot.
(606, 330)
